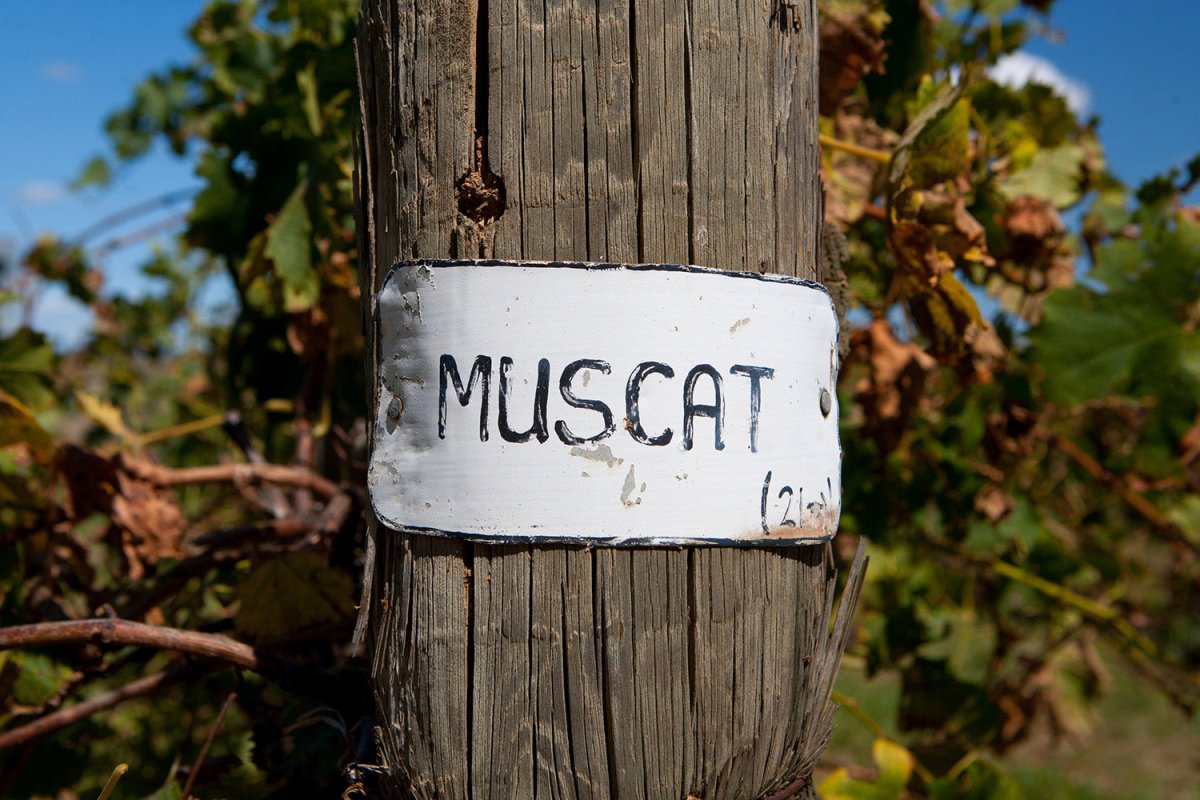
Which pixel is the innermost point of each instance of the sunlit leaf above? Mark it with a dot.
(19, 426)
(895, 769)
(289, 246)
(96, 172)
(306, 79)
(1054, 175)
(26, 365)
(106, 415)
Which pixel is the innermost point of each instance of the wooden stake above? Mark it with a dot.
(594, 130)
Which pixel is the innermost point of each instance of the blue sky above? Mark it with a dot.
(65, 64)
(1139, 62)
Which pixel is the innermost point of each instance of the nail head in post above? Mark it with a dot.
(826, 402)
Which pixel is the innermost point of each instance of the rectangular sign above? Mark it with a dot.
(603, 403)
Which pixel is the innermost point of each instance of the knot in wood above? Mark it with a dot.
(481, 196)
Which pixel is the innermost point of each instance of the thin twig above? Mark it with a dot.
(1096, 610)
(63, 717)
(228, 545)
(869, 153)
(304, 458)
(270, 497)
(182, 429)
(233, 473)
(1160, 521)
(111, 784)
(289, 528)
(135, 210)
(315, 526)
(125, 632)
(139, 235)
(208, 740)
(1182, 690)
(1140, 650)
(791, 790)
(174, 578)
(963, 764)
(855, 710)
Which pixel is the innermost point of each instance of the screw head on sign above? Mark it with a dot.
(826, 402)
(393, 409)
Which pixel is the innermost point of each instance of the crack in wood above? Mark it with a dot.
(480, 192)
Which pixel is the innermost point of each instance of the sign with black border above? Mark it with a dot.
(605, 403)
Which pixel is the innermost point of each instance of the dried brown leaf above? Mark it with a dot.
(993, 502)
(892, 388)
(146, 523)
(851, 45)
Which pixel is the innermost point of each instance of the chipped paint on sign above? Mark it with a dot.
(603, 403)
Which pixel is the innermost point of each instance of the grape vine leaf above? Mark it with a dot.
(290, 593)
(19, 426)
(1134, 338)
(1056, 175)
(895, 769)
(289, 246)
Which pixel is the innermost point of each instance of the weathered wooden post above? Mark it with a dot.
(592, 131)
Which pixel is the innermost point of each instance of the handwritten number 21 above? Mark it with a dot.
(786, 521)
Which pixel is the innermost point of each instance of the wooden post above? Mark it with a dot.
(593, 130)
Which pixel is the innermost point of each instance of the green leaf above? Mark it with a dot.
(107, 416)
(19, 426)
(1022, 529)
(1189, 359)
(942, 149)
(1055, 175)
(967, 647)
(37, 677)
(998, 8)
(289, 246)
(26, 364)
(218, 219)
(895, 764)
(306, 79)
(1118, 262)
(895, 770)
(95, 172)
(980, 781)
(1111, 209)
(297, 298)
(290, 593)
(1090, 348)
(172, 791)
(1186, 514)
(941, 101)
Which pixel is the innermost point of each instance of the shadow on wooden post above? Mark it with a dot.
(589, 130)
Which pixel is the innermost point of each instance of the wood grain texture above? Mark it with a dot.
(629, 131)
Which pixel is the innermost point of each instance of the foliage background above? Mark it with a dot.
(1022, 421)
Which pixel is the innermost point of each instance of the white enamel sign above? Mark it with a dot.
(606, 403)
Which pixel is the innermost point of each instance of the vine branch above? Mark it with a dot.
(125, 632)
(1157, 519)
(63, 717)
(208, 740)
(869, 153)
(298, 477)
